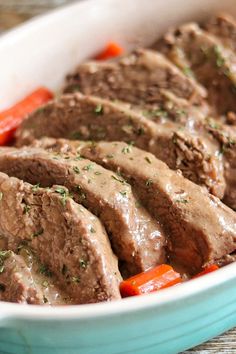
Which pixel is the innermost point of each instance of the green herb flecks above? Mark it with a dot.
(37, 233)
(3, 256)
(76, 169)
(118, 179)
(149, 182)
(75, 279)
(220, 60)
(45, 299)
(88, 167)
(79, 157)
(97, 173)
(45, 283)
(98, 109)
(187, 71)
(26, 209)
(184, 201)
(123, 193)
(83, 264)
(148, 159)
(64, 194)
(110, 156)
(35, 187)
(126, 149)
(43, 269)
(92, 230)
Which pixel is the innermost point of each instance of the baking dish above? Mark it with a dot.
(41, 52)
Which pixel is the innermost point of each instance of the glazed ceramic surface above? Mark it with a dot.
(41, 53)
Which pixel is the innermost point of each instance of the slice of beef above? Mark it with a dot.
(92, 118)
(202, 54)
(133, 78)
(23, 283)
(223, 26)
(136, 236)
(201, 229)
(16, 281)
(226, 136)
(69, 241)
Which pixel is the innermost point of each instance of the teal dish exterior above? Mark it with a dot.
(41, 52)
(149, 326)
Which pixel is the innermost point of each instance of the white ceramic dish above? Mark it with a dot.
(41, 52)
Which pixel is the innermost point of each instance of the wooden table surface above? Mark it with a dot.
(13, 12)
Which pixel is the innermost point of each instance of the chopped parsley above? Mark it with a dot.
(79, 157)
(36, 187)
(97, 173)
(149, 182)
(98, 109)
(37, 233)
(148, 159)
(187, 71)
(110, 156)
(83, 264)
(45, 299)
(64, 194)
(3, 256)
(126, 150)
(88, 167)
(45, 283)
(43, 269)
(26, 209)
(92, 230)
(75, 279)
(184, 201)
(76, 169)
(124, 193)
(220, 61)
(118, 179)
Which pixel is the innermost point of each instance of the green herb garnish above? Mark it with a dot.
(83, 264)
(98, 109)
(38, 233)
(75, 279)
(35, 187)
(43, 269)
(26, 209)
(149, 182)
(88, 167)
(148, 159)
(3, 256)
(76, 169)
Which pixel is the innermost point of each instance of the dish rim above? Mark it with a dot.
(175, 294)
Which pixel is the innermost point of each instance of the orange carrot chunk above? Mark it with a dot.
(11, 118)
(112, 50)
(207, 270)
(160, 277)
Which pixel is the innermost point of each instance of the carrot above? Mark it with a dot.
(160, 277)
(112, 50)
(11, 118)
(207, 270)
